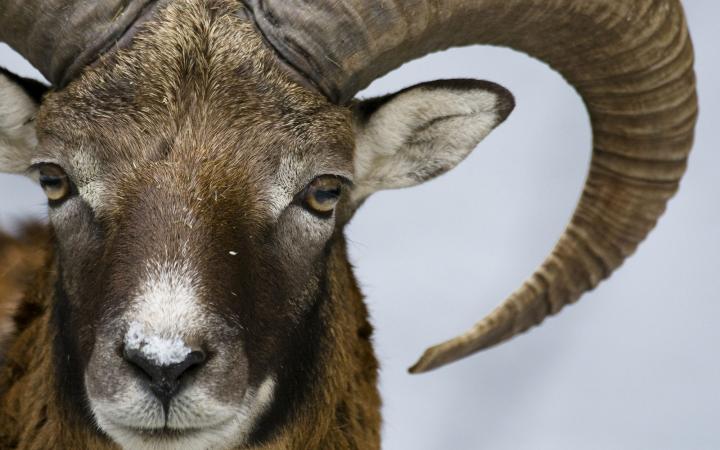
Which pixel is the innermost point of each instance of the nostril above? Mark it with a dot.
(195, 358)
(163, 379)
(137, 359)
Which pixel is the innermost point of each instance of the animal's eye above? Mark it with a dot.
(322, 195)
(54, 182)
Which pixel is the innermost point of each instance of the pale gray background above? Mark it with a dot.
(632, 366)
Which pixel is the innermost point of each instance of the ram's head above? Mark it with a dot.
(202, 157)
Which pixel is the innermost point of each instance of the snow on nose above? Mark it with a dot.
(161, 350)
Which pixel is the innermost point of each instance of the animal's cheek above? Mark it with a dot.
(106, 377)
(300, 239)
(79, 243)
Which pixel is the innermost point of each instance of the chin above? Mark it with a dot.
(219, 437)
(193, 420)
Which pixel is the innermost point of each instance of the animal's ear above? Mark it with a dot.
(407, 138)
(19, 101)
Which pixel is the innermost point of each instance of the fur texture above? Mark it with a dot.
(344, 399)
(190, 152)
(19, 105)
(20, 259)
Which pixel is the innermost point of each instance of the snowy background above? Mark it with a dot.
(634, 365)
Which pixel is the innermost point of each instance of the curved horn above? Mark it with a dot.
(60, 37)
(631, 61)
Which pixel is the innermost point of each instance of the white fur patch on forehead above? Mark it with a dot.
(165, 311)
(17, 130)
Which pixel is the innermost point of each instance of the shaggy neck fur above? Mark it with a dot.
(339, 411)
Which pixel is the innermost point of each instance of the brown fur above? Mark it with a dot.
(211, 109)
(342, 413)
(20, 259)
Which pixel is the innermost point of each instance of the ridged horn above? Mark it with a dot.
(631, 61)
(60, 37)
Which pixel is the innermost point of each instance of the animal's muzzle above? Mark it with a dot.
(164, 380)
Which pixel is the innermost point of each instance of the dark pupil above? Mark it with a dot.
(48, 181)
(327, 195)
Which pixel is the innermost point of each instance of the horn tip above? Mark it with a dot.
(419, 367)
(432, 359)
(486, 333)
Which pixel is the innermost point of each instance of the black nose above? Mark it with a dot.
(164, 380)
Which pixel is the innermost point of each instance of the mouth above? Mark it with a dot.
(167, 433)
(195, 421)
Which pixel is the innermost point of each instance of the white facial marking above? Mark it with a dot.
(93, 193)
(165, 310)
(87, 171)
(168, 307)
(162, 351)
(233, 253)
(254, 405)
(134, 408)
(17, 131)
(284, 186)
(210, 424)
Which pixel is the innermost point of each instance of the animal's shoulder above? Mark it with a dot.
(21, 257)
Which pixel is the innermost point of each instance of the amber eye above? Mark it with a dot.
(323, 194)
(54, 182)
